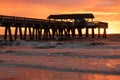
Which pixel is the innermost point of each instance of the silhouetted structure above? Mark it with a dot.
(60, 26)
(80, 21)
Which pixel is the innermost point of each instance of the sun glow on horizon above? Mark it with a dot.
(106, 11)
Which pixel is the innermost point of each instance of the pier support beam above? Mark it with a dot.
(16, 30)
(73, 32)
(80, 32)
(47, 34)
(33, 33)
(39, 33)
(98, 32)
(65, 31)
(87, 32)
(53, 32)
(60, 32)
(25, 33)
(8, 30)
(68, 32)
(104, 33)
(30, 33)
(93, 33)
(36, 33)
(20, 33)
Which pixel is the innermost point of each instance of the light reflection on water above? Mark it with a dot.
(36, 74)
(112, 63)
(49, 75)
(61, 62)
(65, 62)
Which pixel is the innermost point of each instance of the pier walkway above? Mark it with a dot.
(60, 26)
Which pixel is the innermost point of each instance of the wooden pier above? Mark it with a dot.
(55, 26)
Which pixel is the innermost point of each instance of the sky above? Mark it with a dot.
(103, 10)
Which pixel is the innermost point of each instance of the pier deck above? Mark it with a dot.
(61, 26)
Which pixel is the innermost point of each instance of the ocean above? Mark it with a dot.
(76, 59)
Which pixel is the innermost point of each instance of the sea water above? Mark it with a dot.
(81, 59)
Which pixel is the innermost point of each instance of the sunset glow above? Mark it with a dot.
(104, 10)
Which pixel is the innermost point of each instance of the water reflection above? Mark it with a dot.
(105, 64)
(113, 63)
(36, 74)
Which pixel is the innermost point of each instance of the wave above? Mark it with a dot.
(102, 44)
(63, 54)
(51, 68)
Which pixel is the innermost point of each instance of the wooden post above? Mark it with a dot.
(60, 32)
(5, 34)
(16, 30)
(20, 30)
(7, 29)
(36, 33)
(33, 33)
(98, 32)
(39, 33)
(65, 30)
(25, 32)
(10, 34)
(20, 33)
(93, 34)
(49, 33)
(57, 34)
(87, 32)
(68, 32)
(104, 33)
(73, 32)
(53, 32)
(30, 35)
(80, 32)
(44, 34)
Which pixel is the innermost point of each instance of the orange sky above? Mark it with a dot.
(104, 10)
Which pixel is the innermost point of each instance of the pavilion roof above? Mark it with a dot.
(71, 16)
